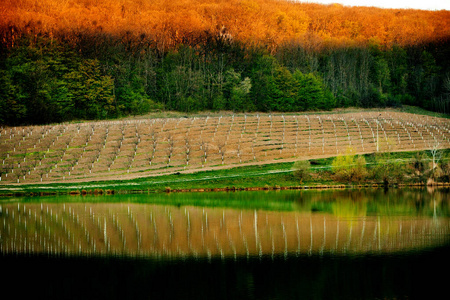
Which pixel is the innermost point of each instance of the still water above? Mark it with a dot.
(366, 244)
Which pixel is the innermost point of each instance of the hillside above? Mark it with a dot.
(127, 149)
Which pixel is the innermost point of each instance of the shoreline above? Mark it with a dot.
(102, 192)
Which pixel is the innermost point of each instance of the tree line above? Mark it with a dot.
(264, 22)
(44, 79)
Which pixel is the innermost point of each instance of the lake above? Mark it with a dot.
(331, 244)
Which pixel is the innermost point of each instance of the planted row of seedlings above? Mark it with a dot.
(123, 149)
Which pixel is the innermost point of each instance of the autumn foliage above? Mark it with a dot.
(101, 59)
(263, 22)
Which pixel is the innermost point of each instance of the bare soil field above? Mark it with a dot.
(132, 148)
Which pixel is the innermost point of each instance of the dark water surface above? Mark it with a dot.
(254, 245)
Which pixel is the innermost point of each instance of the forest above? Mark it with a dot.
(85, 59)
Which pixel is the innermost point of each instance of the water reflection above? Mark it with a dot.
(275, 245)
(151, 230)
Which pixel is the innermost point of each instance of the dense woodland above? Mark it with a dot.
(86, 59)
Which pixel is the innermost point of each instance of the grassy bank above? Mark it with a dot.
(270, 176)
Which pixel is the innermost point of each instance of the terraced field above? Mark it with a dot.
(150, 147)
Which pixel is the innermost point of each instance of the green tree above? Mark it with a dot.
(282, 90)
(32, 80)
(261, 74)
(381, 74)
(232, 80)
(45, 81)
(397, 60)
(311, 93)
(90, 92)
(239, 96)
(13, 100)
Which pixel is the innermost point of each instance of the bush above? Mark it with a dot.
(359, 170)
(389, 171)
(348, 167)
(444, 166)
(419, 167)
(301, 169)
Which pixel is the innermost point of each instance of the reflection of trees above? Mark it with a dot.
(351, 205)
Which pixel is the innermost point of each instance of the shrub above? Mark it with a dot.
(419, 167)
(444, 166)
(390, 171)
(349, 167)
(359, 170)
(301, 169)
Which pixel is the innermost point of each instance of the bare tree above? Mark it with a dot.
(169, 150)
(23, 134)
(24, 153)
(154, 139)
(40, 156)
(18, 174)
(47, 145)
(41, 172)
(116, 151)
(98, 151)
(136, 142)
(42, 133)
(67, 142)
(150, 155)
(130, 160)
(436, 154)
(222, 149)
(3, 154)
(205, 149)
(105, 137)
(253, 147)
(4, 170)
(91, 161)
(64, 170)
(72, 164)
(239, 152)
(110, 161)
(35, 162)
(23, 172)
(87, 138)
(60, 153)
(187, 145)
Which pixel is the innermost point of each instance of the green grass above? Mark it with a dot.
(420, 111)
(241, 177)
(176, 114)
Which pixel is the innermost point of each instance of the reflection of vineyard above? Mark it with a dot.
(151, 230)
(115, 149)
